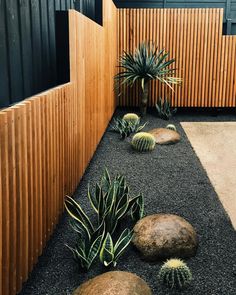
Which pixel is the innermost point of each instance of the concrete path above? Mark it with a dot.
(215, 145)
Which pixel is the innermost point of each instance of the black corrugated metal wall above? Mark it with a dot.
(28, 55)
(90, 8)
(228, 5)
(27, 47)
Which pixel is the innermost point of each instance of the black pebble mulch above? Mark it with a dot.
(172, 181)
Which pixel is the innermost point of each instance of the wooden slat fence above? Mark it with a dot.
(46, 143)
(205, 59)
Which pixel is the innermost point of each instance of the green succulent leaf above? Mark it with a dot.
(76, 212)
(80, 225)
(78, 255)
(122, 243)
(94, 250)
(132, 201)
(93, 198)
(100, 230)
(112, 195)
(122, 206)
(107, 251)
(106, 180)
(164, 109)
(145, 64)
(137, 210)
(77, 226)
(101, 207)
(111, 219)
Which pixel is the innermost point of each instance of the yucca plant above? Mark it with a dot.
(126, 127)
(111, 252)
(147, 63)
(164, 109)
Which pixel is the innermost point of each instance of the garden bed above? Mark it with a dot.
(172, 180)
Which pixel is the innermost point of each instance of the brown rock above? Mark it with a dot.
(114, 283)
(165, 136)
(163, 236)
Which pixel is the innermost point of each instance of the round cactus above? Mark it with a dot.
(132, 118)
(171, 127)
(143, 142)
(175, 274)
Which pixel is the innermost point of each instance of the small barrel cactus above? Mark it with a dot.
(171, 127)
(132, 118)
(175, 274)
(143, 142)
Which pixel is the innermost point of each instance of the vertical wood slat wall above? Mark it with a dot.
(46, 143)
(205, 59)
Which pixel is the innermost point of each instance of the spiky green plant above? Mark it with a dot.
(164, 109)
(126, 127)
(111, 252)
(84, 252)
(89, 237)
(171, 127)
(143, 142)
(131, 117)
(175, 274)
(111, 202)
(147, 63)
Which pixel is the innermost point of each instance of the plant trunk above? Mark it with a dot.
(144, 100)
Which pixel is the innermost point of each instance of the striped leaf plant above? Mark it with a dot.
(111, 202)
(111, 252)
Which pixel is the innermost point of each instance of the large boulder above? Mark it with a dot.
(161, 236)
(165, 136)
(114, 283)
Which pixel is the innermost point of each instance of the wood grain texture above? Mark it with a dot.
(47, 142)
(205, 59)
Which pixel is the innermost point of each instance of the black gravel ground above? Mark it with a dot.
(172, 181)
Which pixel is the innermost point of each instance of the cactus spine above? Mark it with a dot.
(171, 127)
(143, 142)
(175, 274)
(132, 118)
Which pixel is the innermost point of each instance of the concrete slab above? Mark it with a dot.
(215, 146)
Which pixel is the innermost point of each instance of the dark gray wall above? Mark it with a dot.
(228, 5)
(28, 49)
(90, 8)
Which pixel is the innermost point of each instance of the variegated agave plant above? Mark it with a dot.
(164, 109)
(125, 127)
(111, 202)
